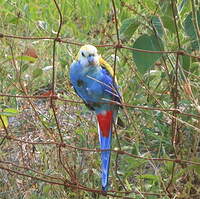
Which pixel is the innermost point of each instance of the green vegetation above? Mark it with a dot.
(159, 147)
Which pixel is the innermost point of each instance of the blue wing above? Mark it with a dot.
(93, 84)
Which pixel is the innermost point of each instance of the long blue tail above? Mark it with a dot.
(105, 143)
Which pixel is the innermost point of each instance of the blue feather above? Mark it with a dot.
(105, 143)
(96, 86)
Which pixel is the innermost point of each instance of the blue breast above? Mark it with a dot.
(94, 85)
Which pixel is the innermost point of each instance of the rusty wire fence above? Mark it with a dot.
(65, 155)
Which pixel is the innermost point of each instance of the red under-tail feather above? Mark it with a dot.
(105, 121)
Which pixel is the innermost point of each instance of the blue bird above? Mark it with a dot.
(92, 79)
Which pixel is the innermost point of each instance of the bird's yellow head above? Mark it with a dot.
(88, 56)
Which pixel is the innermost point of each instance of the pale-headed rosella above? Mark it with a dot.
(92, 79)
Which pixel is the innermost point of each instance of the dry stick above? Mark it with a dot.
(147, 108)
(81, 187)
(157, 172)
(65, 183)
(79, 44)
(175, 90)
(22, 153)
(181, 52)
(54, 73)
(171, 116)
(80, 102)
(131, 8)
(18, 76)
(175, 100)
(11, 83)
(24, 90)
(114, 74)
(29, 176)
(116, 22)
(67, 169)
(149, 92)
(118, 40)
(116, 160)
(120, 104)
(119, 45)
(5, 129)
(51, 97)
(40, 38)
(29, 169)
(98, 150)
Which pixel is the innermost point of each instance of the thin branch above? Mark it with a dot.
(181, 52)
(121, 104)
(116, 22)
(175, 22)
(54, 72)
(99, 150)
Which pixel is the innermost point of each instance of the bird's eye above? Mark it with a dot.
(82, 54)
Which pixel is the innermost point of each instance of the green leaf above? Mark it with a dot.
(164, 6)
(157, 25)
(134, 164)
(23, 58)
(145, 60)
(182, 4)
(25, 67)
(5, 121)
(168, 23)
(190, 30)
(195, 68)
(14, 20)
(168, 166)
(189, 26)
(194, 45)
(128, 27)
(37, 72)
(150, 4)
(148, 177)
(154, 78)
(185, 62)
(47, 188)
(195, 167)
(26, 58)
(9, 112)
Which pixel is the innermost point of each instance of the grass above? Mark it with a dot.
(152, 131)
